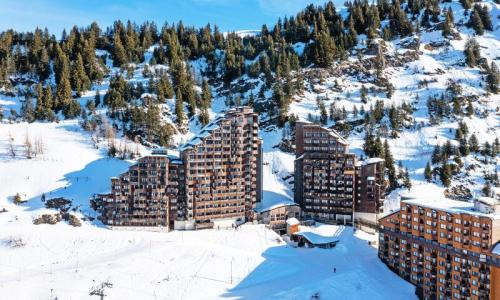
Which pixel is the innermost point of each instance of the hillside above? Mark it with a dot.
(77, 111)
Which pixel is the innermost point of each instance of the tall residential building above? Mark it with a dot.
(223, 166)
(215, 180)
(370, 190)
(329, 184)
(145, 195)
(445, 247)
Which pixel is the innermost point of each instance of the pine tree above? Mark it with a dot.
(472, 52)
(389, 166)
(79, 79)
(487, 189)
(378, 148)
(436, 154)
(364, 94)
(466, 4)
(190, 98)
(448, 23)
(61, 64)
(428, 172)
(464, 147)
(63, 93)
(493, 78)
(484, 14)
(119, 53)
(473, 143)
(206, 95)
(470, 108)
(27, 110)
(406, 179)
(445, 174)
(40, 105)
(179, 108)
(476, 22)
(204, 116)
(368, 144)
(323, 113)
(97, 98)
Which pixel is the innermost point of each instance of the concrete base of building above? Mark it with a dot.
(140, 228)
(184, 225)
(228, 223)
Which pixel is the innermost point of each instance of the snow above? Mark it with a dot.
(252, 262)
(451, 206)
(488, 200)
(277, 205)
(67, 262)
(321, 234)
(373, 160)
(69, 166)
(496, 250)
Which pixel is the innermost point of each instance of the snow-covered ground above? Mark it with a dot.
(49, 261)
(249, 263)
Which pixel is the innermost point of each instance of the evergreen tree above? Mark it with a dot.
(206, 95)
(368, 144)
(378, 148)
(40, 105)
(466, 4)
(79, 79)
(436, 154)
(97, 98)
(470, 108)
(27, 110)
(445, 174)
(179, 108)
(487, 189)
(473, 143)
(323, 118)
(406, 179)
(476, 23)
(364, 94)
(428, 172)
(472, 52)
(493, 78)
(119, 53)
(448, 23)
(389, 166)
(464, 147)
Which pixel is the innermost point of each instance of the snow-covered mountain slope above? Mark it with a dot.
(48, 261)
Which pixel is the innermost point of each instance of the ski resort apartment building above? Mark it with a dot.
(448, 249)
(216, 180)
(330, 184)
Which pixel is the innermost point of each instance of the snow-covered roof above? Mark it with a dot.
(496, 249)
(488, 200)
(332, 132)
(336, 135)
(322, 234)
(277, 205)
(205, 132)
(451, 206)
(317, 239)
(372, 160)
(292, 221)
